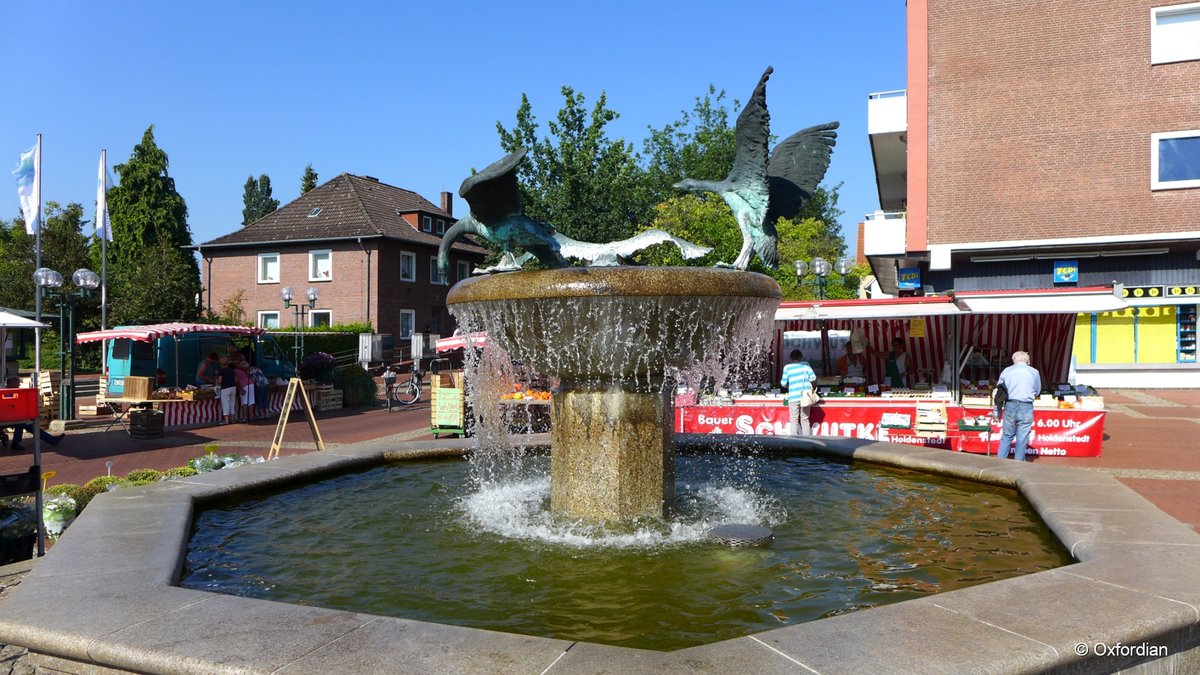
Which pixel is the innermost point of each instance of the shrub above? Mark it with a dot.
(317, 366)
(358, 387)
(95, 486)
(143, 476)
(205, 463)
(69, 489)
(180, 472)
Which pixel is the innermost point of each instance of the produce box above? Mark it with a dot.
(138, 388)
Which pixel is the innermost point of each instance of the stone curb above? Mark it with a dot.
(105, 594)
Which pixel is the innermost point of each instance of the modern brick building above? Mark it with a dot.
(1050, 144)
(368, 248)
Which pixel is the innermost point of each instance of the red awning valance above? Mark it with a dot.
(153, 332)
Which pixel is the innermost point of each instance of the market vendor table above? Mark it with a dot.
(179, 413)
(1068, 432)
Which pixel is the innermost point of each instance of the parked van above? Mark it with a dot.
(178, 357)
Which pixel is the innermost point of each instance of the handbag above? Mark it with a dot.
(810, 398)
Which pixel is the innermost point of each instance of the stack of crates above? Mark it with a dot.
(145, 424)
(48, 384)
(328, 398)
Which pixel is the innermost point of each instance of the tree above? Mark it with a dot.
(309, 180)
(149, 221)
(64, 249)
(587, 185)
(257, 199)
(700, 144)
(16, 265)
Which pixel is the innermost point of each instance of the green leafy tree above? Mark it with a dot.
(700, 144)
(149, 221)
(256, 197)
(309, 180)
(586, 184)
(16, 265)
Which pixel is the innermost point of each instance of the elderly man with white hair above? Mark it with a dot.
(1024, 384)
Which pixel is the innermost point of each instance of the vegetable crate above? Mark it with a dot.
(448, 403)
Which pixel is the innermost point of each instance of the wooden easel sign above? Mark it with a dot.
(289, 399)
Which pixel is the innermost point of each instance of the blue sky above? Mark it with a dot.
(410, 92)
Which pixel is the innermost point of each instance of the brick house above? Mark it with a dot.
(368, 248)
(1037, 138)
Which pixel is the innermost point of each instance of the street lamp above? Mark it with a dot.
(51, 283)
(300, 309)
(821, 268)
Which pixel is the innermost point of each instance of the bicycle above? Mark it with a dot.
(406, 393)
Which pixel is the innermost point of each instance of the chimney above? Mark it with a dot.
(447, 203)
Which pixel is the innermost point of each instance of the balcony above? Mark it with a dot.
(884, 233)
(887, 126)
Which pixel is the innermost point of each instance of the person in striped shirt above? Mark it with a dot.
(798, 377)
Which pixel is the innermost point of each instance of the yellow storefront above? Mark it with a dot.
(1151, 344)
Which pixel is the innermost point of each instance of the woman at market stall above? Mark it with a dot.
(896, 373)
(209, 370)
(798, 377)
(229, 390)
(851, 364)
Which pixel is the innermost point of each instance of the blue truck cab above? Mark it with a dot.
(179, 356)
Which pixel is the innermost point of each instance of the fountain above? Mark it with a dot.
(611, 336)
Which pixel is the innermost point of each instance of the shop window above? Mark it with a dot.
(268, 268)
(1175, 160)
(320, 265)
(1175, 33)
(320, 318)
(268, 319)
(408, 266)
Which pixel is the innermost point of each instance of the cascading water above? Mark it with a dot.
(617, 341)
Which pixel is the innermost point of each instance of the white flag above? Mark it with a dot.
(103, 183)
(29, 186)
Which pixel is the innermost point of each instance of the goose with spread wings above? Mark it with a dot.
(760, 188)
(495, 214)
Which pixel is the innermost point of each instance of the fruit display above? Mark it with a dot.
(522, 393)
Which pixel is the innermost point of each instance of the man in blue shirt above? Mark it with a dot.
(798, 377)
(1024, 384)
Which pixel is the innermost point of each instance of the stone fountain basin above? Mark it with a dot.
(105, 594)
(614, 324)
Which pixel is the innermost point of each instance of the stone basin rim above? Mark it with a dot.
(580, 282)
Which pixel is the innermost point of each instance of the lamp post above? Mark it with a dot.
(821, 268)
(51, 283)
(299, 309)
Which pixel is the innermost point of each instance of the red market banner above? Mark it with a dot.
(1056, 432)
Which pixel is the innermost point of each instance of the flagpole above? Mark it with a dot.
(104, 243)
(37, 352)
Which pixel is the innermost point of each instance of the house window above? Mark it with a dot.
(426, 223)
(313, 213)
(408, 318)
(268, 268)
(1175, 160)
(435, 275)
(408, 266)
(1175, 33)
(320, 265)
(268, 319)
(441, 226)
(318, 318)
(464, 270)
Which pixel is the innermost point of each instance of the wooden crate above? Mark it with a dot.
(138, 388)
(328, 399)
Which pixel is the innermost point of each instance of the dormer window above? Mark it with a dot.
(426, 224)
(441, 226)
(315, 212)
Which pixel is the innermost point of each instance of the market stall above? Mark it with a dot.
(181, 404)
(956, 346)
(525, 407)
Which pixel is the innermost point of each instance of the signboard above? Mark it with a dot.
(1066, 271)
(908, 278)
(1183, 291)
(1142, 292)
(1056, 432)
(916, 327)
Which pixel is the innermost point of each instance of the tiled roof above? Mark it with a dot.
(350, 206)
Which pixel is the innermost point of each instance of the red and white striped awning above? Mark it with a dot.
(874, 308)
(153, 332)
(453, 342)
